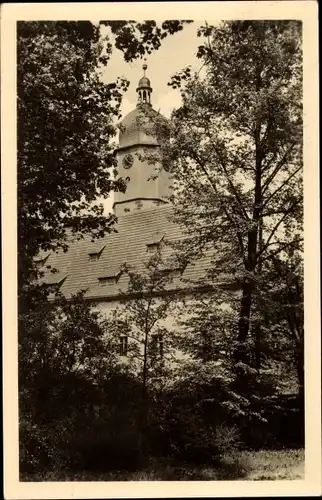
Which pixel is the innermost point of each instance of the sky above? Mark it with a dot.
(176, 52)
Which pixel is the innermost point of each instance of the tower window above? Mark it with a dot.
(123, 345)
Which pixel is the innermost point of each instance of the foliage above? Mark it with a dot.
(142, 317)
(70, 380)
(70, 339)
(283, 316)
(249, 397)
(206, 327)
(216, 414)
(66, 128)
(137, 39)
(236, 152)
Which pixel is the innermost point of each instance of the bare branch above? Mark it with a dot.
(281, 186)
(229, 216)
(278, 250)
(277, 225)
(277, 168)
(230, 182)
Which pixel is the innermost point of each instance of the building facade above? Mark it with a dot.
(144, 224)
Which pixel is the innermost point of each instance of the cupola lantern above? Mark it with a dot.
(144, 89)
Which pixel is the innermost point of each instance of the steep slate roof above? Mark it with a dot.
(138, 127)
(129, 245)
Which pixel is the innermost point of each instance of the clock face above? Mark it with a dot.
(127, 161)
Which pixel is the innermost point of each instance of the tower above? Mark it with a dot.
(147, 185)
(144, 88)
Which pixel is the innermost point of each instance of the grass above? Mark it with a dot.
(255, 465)
(275, 465)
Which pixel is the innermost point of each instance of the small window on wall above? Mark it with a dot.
(123, 345)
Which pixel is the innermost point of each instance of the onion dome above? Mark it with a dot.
(138, 127)
(144, 82)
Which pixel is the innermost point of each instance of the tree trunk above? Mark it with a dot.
(247, 288)
(258, 339)
(245, 308)
(241, 353)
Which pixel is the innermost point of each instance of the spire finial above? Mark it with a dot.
(144, 66)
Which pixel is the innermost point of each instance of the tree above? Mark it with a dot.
(141, 326)
(283, 316)
(65, 355)
(142, 317)
(67, 121)
(66, 128)
(206, 327)
(136, 39)
(236, 152)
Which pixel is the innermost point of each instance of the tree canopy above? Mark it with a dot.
(67, 126)
(236, 150)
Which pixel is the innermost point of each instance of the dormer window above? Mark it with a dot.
(111, 277)
(153, 247)
(40, 261)
(95, 255)
(155, 243)
(54, 282)
(107, 280)
(172, 267)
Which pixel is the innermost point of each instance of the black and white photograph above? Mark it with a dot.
(161, 247)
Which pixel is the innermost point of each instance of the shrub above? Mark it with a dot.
(191, 429)
(108, 448)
